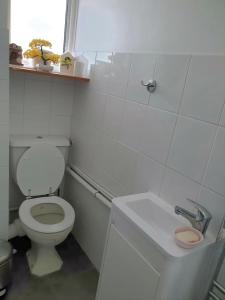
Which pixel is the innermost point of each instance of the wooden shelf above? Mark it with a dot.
(51, 74)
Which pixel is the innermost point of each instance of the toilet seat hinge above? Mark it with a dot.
(28, 194)
(50, 192)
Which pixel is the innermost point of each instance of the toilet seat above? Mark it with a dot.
(28, 220)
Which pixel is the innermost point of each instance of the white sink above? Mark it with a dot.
(156, 219)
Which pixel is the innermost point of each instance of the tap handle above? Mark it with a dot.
(202, 211)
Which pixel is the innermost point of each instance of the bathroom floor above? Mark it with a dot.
(76, 280)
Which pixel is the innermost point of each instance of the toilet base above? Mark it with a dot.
(43, 260)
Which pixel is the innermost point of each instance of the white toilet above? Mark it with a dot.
(38, 167)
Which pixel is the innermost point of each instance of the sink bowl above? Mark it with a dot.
(157, 221)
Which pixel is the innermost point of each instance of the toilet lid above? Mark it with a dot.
(40, 170)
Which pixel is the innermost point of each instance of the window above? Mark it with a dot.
(38, 19)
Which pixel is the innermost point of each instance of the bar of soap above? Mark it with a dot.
(187, 236)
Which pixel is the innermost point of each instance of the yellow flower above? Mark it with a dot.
(31, 53)
(35, 43)
(52, 57)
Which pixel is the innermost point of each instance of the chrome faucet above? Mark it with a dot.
(200, 220)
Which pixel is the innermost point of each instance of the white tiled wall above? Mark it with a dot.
(40, 105)
(171, 142)
(4, 120)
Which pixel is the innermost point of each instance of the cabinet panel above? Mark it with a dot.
(126, 275)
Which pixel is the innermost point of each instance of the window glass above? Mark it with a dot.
(42, 19)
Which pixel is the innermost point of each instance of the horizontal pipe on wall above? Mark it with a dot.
(94, 184)
(95, 192)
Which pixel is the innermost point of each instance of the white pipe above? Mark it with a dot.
(15, 229)
(92, 182)
(92, 190)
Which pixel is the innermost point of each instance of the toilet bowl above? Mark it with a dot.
(46, 221)
(45, 218)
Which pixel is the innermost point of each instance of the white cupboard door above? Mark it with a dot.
(126, 275)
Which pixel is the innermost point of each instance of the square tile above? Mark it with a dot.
(170, 74)
(215, 173)
(113, 116)
(16, 91)
(142, 68)
(101, 71)
(148, 175)
(132, 124)
(36, 124)
(62, 98)
(204, 91)
(222, 120)
(60, 125)
(156, 134)
(37, 97)
(176, 188)
(191, 147)
(118, 74)
(16, 124)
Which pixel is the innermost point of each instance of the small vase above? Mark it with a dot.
(35, 61)
(46, 68)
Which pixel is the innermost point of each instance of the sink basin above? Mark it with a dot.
(157, 221)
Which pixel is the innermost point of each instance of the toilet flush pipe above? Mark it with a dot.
(15, 229)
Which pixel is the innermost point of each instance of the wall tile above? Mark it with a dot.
(17, 92)
(125, 166)
(191, 146)
(36, 125)
(148, 175)
(101, 71)
(142, 68)
(118, 74)
(215, 176)
(113, 116)
(132, 124)
(62, 98)
(176, 188)
(216, 206)
(157, 130)
(37, 97)
(204, 93)
(60, 125)
(170, 74)
(16, 124)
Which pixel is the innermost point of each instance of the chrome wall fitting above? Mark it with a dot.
(150, 85)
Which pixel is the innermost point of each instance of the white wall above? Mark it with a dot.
(171, 142)
(4, 119)
(168, 26)
(39, 105)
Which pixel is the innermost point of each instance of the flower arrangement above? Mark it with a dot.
(36, 51)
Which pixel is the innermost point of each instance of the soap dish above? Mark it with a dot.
(188, 237)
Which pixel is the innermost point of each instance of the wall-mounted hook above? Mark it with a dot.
(150, 85)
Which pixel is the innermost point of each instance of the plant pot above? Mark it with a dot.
(35, 61)
(46, 68)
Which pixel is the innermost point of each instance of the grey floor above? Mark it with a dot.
(77, 280)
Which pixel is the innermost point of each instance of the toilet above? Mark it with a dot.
(38, 166)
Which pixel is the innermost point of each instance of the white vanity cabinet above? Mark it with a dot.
(141, 260)
(126, 275)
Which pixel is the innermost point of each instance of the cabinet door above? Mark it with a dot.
(126, 275)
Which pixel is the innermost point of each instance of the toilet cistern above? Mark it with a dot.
(200, 220)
